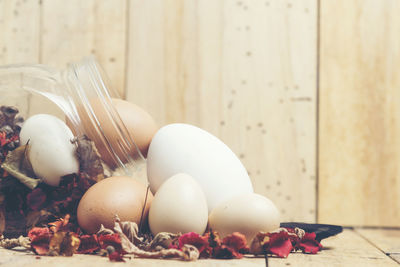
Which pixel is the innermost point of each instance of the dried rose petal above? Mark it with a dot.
(308, 244)
(226, 252)
(116, 256)
(193, 239)
(110, 240)
(89, 244)
(40, 239)
(237, 241)
(38, 231)
(279, 244)
(36, 199)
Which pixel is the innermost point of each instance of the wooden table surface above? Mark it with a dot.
(353, 247)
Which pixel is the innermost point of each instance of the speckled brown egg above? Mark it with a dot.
(122, 196)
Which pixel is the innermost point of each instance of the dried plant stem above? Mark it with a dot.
(21, 241)
(188, 253)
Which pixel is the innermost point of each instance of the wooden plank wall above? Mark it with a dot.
(359, 177)
(248, 71)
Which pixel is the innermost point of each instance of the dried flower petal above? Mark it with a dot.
(36, 199)
(38, 231)
(193, 239)
(279, 243)
(116, 256)
(60, 225)
(237, 241)
(89, 244)
(40, 239)
(110, 240)
(308, 244)
(63, 244)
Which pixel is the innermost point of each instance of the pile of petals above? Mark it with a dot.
(283, 241)
(124, 239)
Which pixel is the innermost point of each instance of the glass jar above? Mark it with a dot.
(81, 94)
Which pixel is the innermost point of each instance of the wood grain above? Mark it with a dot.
(243, 70)
(19, 40)
(388, 240)
(19, 43)
(359, 178)
(74, 29)
(346, 249)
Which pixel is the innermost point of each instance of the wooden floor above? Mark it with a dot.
(353, 247)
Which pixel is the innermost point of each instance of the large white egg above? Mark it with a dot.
(247, 214)
(51, 152)
(179, 206)
(183, 148)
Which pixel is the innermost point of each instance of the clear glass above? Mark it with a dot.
(80, 94)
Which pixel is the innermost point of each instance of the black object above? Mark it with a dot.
(322, 231)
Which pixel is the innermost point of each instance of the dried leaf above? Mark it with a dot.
(17, 165)
(21, 241)
(131, 230)
(63, 244)
(60, 225)
(257, 244)
(7, 115)
(188, 252)
(38, 217)
(89, 158)
(104, 231)
(161, 241)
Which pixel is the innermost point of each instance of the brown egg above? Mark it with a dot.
(139, 123)
(109, 141)
(122, 196)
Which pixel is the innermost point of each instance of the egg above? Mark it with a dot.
(247, 214)
(51, 153)
(138, 127)
(179, 206)
(183, 148)
(122, 196)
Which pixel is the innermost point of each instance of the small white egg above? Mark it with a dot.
(179, 206)
(247, 214)
(51, 152)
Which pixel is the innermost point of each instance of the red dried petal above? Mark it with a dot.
(36, 199)
(281, 248)
(40, 240)
(110, 240)
(3, 139)
(308, 244)
(38, 231)
(226, 252)
(193, 239)
(89, 244)
(279, 244)
(237, 241)
(116, 256)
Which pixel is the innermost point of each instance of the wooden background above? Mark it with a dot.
(305, 92)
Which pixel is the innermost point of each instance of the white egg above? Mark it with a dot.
(179, 206)
(51, 152)
(247, 214)
(183, 148)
